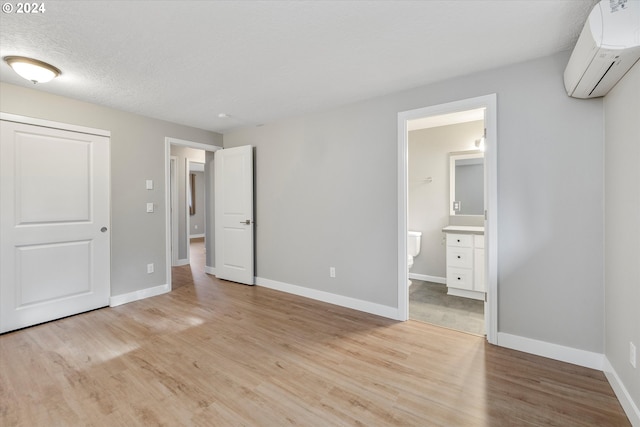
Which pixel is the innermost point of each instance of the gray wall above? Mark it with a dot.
(429, 202)
(622, 228)
(137, 154)
(327, 196)
(196, 221)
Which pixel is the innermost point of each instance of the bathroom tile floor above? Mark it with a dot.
(429, 302)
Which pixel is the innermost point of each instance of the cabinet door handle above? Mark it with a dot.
(459, 257)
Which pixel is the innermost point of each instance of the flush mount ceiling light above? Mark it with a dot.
(31, 69)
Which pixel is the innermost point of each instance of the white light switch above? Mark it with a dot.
(149, 207)
(149, 184)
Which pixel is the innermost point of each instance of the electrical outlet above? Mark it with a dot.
(632, 354)
(150, 268)
(332, 272)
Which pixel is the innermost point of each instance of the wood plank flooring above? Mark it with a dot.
(215, 353)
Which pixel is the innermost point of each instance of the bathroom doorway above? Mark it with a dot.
(442, 292)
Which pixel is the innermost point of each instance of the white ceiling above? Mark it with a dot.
(260, 61)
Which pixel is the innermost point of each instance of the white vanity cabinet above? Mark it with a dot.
(478, 263)
(465, 261)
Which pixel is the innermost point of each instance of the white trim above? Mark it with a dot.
(191, 144)
(168, 141)
(138, 295)
(627, 403)
(187, 223)
(173, 212)
(426, 278)
(356, 304)
(54, 125)
(210, 270)
(181, 262)
(196, 166)
(562, 353)
(489, 102)
(195, 236)
(403, 214)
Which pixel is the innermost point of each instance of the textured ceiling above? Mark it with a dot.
(260, 61)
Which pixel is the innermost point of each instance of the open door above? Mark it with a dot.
(233, 188)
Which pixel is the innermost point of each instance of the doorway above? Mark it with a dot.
(174, 205)
(488, 105)
(446, 166)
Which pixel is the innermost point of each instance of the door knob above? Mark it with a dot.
(246, 221)
(103, 229)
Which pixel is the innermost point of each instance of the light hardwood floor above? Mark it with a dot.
(215, 353)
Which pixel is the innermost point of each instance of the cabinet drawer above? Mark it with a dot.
(478, 241)
(461, 278)
(459, 257)
(460, 240)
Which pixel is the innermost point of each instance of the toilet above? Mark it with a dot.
(413, 247)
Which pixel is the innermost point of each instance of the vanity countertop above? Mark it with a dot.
(465, 229)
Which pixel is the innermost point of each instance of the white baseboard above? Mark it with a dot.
(629, 406)
(356, 304)
(425, 278)
(575, 356)
(210, 270)
(138, 295)
(195, 236)
(181, 262)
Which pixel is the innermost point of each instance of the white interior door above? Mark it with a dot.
(233, 171)
(55, 244)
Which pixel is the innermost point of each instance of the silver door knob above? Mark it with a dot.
(103, 229)
(246, 221)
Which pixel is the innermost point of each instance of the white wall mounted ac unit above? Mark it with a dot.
(607, 48)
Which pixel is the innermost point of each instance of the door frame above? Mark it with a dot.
(168, 142)
(489, 102)
(173, 200)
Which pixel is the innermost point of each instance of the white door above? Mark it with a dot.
(54, 240)
(233, 172)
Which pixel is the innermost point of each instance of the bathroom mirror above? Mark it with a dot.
(466, 183)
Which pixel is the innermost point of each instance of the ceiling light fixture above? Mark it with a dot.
(31, 69)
